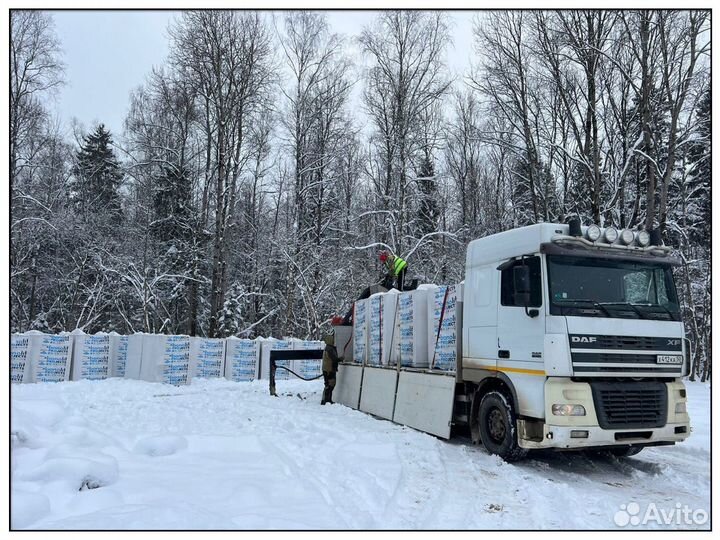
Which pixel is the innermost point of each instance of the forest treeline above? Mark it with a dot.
(263, 165)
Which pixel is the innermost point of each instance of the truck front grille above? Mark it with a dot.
(630, 343)
(603, 363)
(630, 405)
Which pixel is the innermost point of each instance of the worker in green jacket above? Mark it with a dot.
(396, 268)
(330, 363)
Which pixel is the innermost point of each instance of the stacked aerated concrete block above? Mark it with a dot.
(19, 358)
(91, 356)
(383, 333)
(308, 368)
(360, 331)
(207, 357)
(275, 345)
(171, 359)
(165, 359)
(118, 354)
(413, 328)
(445, 327)
(242, 359)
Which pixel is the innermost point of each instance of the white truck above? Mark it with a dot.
(569, 337)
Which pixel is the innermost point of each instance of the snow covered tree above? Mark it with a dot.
(98, 176)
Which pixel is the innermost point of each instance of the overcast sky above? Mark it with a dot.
(109, 53)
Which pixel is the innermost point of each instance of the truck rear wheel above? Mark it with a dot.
(497, 426)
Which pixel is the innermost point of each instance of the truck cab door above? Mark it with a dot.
(521, 321)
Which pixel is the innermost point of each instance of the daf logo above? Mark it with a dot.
(584, 339)
(673, 342)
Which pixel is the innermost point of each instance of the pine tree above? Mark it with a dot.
(98, 175)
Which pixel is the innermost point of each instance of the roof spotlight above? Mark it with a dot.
(643, 238)
(627, 237)
(593, 233)
(611, 234)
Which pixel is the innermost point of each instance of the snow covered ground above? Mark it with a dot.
(123, 454)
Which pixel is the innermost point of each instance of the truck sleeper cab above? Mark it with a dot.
(572, 338)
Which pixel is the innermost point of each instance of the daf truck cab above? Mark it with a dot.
(571, 338)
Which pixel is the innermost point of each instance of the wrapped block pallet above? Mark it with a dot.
(91, 356)
(312, 367)
(444, 339)
(49, 356)
(134, 355)
(360, 331)
(382, 327)
(207, 357)
(19, 358)
(413, 328)
(118, 354)
(165, 359)
(274, 345)
(242, 359)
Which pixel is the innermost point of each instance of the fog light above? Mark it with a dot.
(627, 237)
(579, 434)
(593, 233)
(566, 409)
(611, 234)
(643, 238)
(681, 407)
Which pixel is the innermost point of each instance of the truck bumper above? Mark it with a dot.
(567, 432)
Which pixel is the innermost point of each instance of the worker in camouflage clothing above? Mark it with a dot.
(330, 363)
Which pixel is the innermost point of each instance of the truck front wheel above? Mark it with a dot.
(497, 425)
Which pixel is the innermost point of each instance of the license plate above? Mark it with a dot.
(669, 359)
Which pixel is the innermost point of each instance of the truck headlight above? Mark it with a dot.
(566, 409)
(681, 407)
(593, 233)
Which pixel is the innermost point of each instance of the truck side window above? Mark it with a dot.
(506, 283)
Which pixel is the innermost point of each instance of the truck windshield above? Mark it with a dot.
(593, 287)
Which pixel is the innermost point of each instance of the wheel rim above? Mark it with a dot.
(496, 425)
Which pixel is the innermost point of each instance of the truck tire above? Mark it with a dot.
(497, 425)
